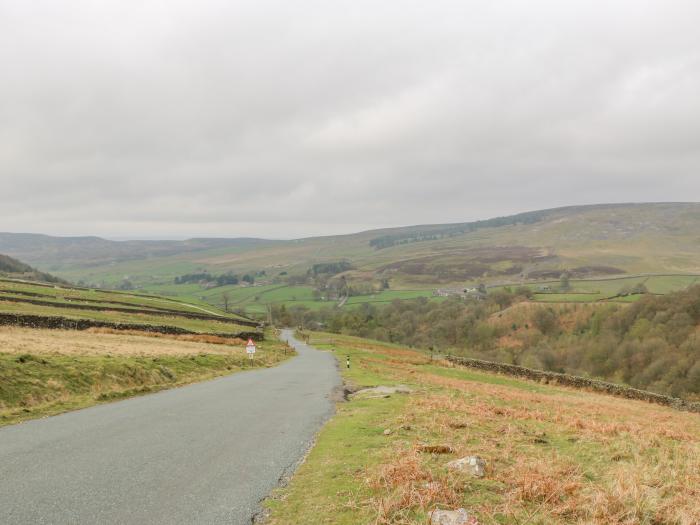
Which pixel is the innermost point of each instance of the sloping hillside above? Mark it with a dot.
(546, 454)
(10, 266)
(585, 240)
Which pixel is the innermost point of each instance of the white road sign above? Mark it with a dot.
(250, 347)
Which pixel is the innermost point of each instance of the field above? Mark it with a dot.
(45, 372)
(254, 300)
(590, 290)
(589, 241)
(552, 455)
(24, 298)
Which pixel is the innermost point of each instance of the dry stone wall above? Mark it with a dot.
(65, 323)
(576, 382)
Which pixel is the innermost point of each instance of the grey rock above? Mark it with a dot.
(381, 391)
(451, 517)
(473, 465)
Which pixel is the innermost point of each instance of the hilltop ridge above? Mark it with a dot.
(603, 239)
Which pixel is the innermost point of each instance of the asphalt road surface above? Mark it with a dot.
(204, 453)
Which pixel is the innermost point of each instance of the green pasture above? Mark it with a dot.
(254, 300)
(67, 293)
(195, 325)
(590, 290)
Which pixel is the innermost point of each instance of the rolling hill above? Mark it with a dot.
(596, 240)
(11, 267)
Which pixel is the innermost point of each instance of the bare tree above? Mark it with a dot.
(226, 298)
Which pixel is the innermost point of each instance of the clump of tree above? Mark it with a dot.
(332, 268)
(207, 278)
(196, 278)
(564, 282)
(639, 288)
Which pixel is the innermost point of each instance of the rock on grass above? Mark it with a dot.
(452, 517)
(473, 465)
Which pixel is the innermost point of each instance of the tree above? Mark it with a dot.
(502, 298)
(226, 298)
(564, 283)
(126, 284)
(624, 291)
(639, 288)
(545, 319)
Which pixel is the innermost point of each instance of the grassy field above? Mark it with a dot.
(45, 372)
(589, 290)
(115, 307)
(553, 455)
(189, 303)
(254, 300)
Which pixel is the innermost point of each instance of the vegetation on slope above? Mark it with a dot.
(46, 372)
(553, 455)
(14, 268)
(652, 344)
(435, 232)
(586, 240)
(22, 298)
(145, 343)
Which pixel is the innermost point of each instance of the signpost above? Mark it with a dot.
(250, 349)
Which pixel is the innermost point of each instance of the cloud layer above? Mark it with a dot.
(284, 119)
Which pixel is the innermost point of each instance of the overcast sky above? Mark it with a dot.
(285, 119)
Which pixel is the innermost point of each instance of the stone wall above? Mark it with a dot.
(64, 323)
(584, 383)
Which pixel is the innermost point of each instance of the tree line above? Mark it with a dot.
(216, 280)
(651, 344)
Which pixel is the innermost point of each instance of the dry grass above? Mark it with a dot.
(105, 342)
(554, 455)
(407, 484)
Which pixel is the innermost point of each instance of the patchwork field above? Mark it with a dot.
(552, 455)
(254, 300)
(36, 299)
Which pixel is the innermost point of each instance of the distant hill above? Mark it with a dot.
(11, 267)
(596, 240)
(67, 252)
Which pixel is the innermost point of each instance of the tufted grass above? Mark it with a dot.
(554, 455)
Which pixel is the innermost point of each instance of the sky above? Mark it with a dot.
(279, 119)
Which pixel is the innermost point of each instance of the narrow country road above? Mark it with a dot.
(204, 453)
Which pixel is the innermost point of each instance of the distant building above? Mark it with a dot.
(464, 293)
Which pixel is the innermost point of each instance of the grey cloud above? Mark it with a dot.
(286, 119)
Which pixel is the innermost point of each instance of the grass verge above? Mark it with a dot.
(41, 375)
